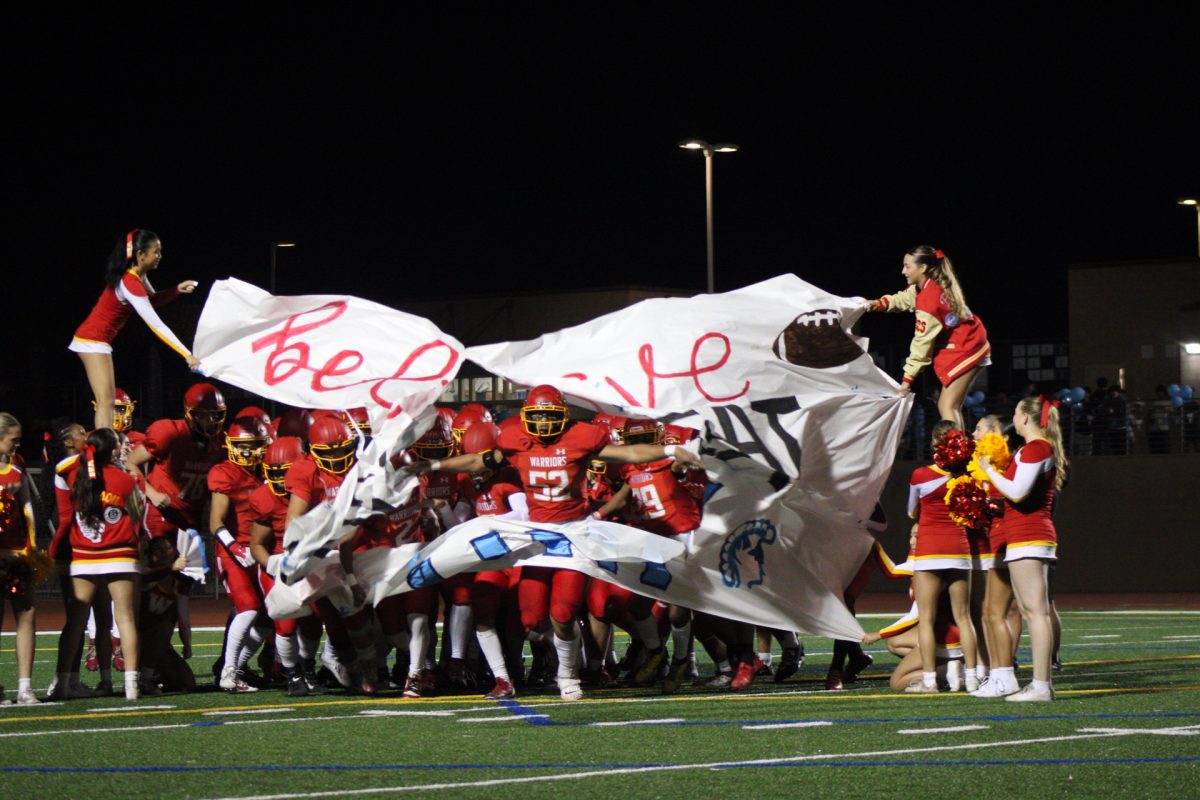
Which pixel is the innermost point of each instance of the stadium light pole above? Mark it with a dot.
(1194, 203)
(708, 150)
(274, 250)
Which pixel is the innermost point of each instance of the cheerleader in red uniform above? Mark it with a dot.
(16, 539)
(127, 287)
(947, 334)
(105, 537)
(1029, 485)
(943, 558)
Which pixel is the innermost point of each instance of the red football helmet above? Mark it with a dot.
(122, 410)
(545, 412)
(597, 467)
(616, 428)
(513, 421)
(467, 416)
(258, 413)
(603, 419)
(359, 418)
(247, 440)
(294, 422)
(640, 430)
(480, 437)
(204, 407)
(332, 445)
(280, 456)
(437, 442)
(678, 434)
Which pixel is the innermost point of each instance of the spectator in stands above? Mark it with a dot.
(1159, 434)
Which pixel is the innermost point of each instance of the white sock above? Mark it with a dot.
(981, 672)
(285, 647)
(647, 631)
(418, 632)
(568, 656)
(250, 643)
(24, 684)
(91, 625)
(765, 658)
(680, 637)
(461, 623)
(1040, 686)
(307, 646)
(237, 632)
(131, 678)
(929, 678)
(489, 643)
(1005, 675)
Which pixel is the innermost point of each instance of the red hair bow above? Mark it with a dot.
(939, 254)
(88, 454)
(1046, 406)
(129, 244)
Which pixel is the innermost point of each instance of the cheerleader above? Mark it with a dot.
(1029, 485)
(127, 286)
(105, 535)
(942, 560)
(16, 540)
(948, 335)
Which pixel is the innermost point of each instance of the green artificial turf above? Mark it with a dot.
(1126, 677)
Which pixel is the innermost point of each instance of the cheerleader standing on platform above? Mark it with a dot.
(942, 559)
(1029, 485)
(127, 286)
(947, 334)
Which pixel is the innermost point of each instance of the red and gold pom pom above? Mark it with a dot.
(967, 502)
(954, 452)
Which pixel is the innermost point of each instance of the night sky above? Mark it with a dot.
(517, 147)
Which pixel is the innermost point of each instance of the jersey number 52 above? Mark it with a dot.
(550, 486)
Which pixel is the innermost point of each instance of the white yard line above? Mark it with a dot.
(505, 718)
(778, 726)
(246, 712)
(1103, 636)
(636, 722)
(426, 787)
(104, 710)
(955, 729)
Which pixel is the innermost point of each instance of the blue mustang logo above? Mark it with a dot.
(747, 540)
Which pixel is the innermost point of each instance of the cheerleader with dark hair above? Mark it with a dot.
(127, 287)
(16, 540)
(105, 537)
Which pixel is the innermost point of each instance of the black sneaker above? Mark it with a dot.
(789, 663)
(296, 685)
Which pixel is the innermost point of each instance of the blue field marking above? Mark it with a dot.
(530, 716)
(1051, 762)
(208, 723)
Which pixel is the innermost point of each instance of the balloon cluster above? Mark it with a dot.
(1071, 397)
(974, 403)
(968, 503)
(954, 452)
(1179, 394)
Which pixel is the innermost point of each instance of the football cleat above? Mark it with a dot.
(412, 686)
(833, 681)
(233, 680)
(501, 690)
(296, 685)
(1027, 695)
(311, 681)
(789, 663)
(118, 658)
(719, 681)
(77, 691)
(858, 662)
(744, 675)
(90, 661)
(570, 689)
(765, 670)
(647, 673)
(147, 687)
(675, 676)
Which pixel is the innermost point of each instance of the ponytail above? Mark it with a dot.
(941, 271)
(124, 255)
(89, 480)
(7, 423)
(1046, 415)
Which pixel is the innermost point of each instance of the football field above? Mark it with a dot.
(1126, 724)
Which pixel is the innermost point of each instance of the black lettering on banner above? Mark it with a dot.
(774, 408)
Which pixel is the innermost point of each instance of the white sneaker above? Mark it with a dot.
(231, 681)
(26, 697)
(993, 687)
(1030, 695)
(570, 689)
(972, 682)
(133, 691)
(720, 681)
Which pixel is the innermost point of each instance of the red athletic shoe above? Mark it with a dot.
(118, 661)
(90, 661)
(503, 689)
(745, 674)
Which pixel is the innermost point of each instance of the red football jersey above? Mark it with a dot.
(181, 464)
(269, 509)
(661, 503)
(311, 483)
(16, 534)
(448, 486)
(236, 483)
(115, 538)
(490, 497)
(555, 473)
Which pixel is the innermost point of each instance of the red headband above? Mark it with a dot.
(129, 244)
(1046, 406)
(939, 254)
